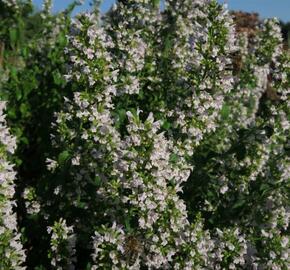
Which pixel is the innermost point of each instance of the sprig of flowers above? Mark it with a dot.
(12, 254)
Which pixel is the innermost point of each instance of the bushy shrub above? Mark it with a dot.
(31, 81)
(171, 149)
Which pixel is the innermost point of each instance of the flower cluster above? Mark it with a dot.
(202, 42)
(186, 184)
(11, 4)
(63, 242)
(11, 251)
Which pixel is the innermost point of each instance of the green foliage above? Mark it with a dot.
(32, 82)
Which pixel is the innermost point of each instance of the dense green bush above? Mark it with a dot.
(147, 138)
(33, 84)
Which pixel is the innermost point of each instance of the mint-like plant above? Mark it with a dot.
(169, 141)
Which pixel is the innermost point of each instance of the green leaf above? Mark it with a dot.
(24, 140)
(18, 94)
(97, 181)
(25, 52)
(173, 158)
(239, 204)
(225, 112)
(62, 40)
(57, 78)
(24, 109)
(156, 3)
(166, 125)
(127, 224)
(13, 35)
(63, 157)
(11, 113)
(13, 72)
(121, 117)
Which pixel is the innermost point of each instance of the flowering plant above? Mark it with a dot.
(171, 150)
